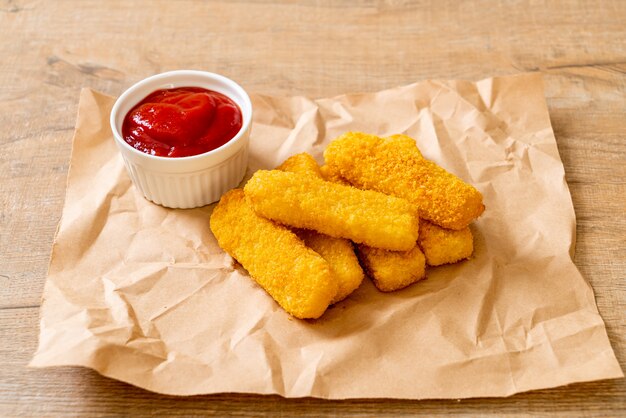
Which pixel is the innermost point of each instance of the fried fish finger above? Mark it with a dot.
(400, 140)
(392, 270)
(439, 245)
(329, 174)
(301, 163)
(396, 167)
(338, 252)
(296, 277)
(444, 246)
(304, 201)
(405, 143)
(389, 270)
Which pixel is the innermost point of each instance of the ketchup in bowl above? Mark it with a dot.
(181, 122)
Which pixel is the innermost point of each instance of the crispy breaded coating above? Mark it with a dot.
(406, 143)
(301, 163)
(444, 246)
(296, 277)
(392, 270)
(439, 245)
(303, 201)
(396, 167)
(338, 252)
(329, 174)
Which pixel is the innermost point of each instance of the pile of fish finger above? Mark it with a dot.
(306, 233)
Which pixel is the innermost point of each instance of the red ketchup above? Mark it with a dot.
(182, 121)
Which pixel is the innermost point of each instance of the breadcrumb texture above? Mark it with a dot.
(303, 201)
(392, 270)
(389, 270)
(338, 252)
(343, 262)
(395, 166)
(298, 278)
(444, 246)
(329, 174)
(301, 163)
(406, 143)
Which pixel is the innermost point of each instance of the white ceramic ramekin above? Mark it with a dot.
(185, 182)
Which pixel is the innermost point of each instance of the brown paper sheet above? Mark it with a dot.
(143, 294)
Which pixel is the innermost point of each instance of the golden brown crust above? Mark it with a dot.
(296, 277)
(392, 270)
(303, 201)
(331, 175)
(301, 163)
(338, 252)
(396, 167)
(444, 246)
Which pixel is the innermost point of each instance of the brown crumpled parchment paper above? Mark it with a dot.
(143, 294)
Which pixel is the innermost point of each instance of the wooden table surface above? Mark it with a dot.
(50, 50)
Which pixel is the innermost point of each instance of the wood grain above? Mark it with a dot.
(50, 50)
